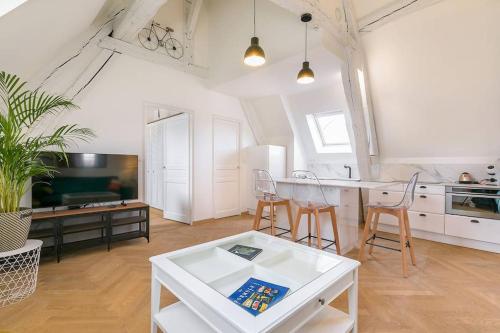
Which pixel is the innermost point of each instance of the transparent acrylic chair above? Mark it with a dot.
(267, 196)
(400, 211)
(309, 196)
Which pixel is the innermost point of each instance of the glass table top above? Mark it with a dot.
(289, 266)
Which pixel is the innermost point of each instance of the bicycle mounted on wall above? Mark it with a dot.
(149, 39)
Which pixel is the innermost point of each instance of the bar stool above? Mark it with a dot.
(399, 210)
(267, 196)
(309, 196)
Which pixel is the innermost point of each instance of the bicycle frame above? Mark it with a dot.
(167, 31)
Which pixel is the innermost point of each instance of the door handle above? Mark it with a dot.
(423, 186)
(423, 196)
(422, 214)
(385, 193)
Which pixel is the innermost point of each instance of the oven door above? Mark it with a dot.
(485, 205)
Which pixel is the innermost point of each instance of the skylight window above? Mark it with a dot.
(8, 5)
(329, 132)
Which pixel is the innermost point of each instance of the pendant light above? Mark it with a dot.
(254, 55)
(306, 75)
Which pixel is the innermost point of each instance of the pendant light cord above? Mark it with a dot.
(254, 18)
(305, 57)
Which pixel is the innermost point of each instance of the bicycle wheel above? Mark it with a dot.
(148, 39)
(174, 48)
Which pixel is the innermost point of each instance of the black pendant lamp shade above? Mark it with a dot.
(306, 74)
(254, 55)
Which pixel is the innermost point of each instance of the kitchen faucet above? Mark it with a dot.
(350, 170)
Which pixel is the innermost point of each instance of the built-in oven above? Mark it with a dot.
(473, 201)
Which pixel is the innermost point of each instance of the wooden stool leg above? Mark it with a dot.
(366, 231)
(271, 218)
(402, 240)
(374, 231)
(289, 212)
(318, 228)
(309, 228)
(409, 238)
(296, 225)
(258, 215)
(333, 216)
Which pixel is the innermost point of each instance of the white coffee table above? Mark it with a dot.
(203, 276)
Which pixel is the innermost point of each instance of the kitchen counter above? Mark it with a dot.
(340, 183)
(379, 184)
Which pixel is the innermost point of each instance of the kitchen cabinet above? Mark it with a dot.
(485, 230)
(427, 211)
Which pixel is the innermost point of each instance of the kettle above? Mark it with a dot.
(465, 178)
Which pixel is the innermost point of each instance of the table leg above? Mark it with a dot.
(352, 295)
(155, 299)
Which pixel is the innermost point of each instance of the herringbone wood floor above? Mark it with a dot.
(453, 289)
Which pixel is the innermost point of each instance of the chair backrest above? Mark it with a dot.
(409, 196)
(307, 189)
(264, 185)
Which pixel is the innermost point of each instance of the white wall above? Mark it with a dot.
(113, 108)
(326, 98)
(32, 34)
(435, 79)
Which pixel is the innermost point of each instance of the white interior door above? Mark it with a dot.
(177, 168)
(226, 167)
(154, 165)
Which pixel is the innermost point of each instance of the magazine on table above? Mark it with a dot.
(256, 296)
(244, 251)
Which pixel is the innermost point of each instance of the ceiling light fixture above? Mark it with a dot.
(254, 55)
(306, 75)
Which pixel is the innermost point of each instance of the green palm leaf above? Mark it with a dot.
(21, 110)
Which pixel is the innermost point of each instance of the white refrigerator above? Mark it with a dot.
(267, 157)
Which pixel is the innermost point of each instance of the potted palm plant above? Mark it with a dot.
(22, 140)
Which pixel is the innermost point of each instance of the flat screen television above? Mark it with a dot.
(85, 179)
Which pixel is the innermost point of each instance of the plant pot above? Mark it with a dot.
(14, 229)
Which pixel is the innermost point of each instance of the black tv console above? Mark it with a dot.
(57, 224)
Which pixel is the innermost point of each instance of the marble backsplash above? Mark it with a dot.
(333, 170)
(435, 172)
(396, 172)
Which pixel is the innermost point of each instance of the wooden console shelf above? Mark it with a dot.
(57, 224)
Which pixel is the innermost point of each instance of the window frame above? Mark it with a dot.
(321, 147)
(316, 117)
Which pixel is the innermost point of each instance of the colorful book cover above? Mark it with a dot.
(257, 296)
(244, 251)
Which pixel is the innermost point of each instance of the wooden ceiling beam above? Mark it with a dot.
(391, 12)
(320, 18)
(135, 18)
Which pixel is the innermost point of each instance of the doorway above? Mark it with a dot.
(169, 166)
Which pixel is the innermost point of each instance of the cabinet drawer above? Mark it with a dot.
(315, 305)
(430, 203)
(418, 221)
(429, 189)
(385, 197)
(426, 222)
(486, 230)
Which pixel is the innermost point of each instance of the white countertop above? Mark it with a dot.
(378, 184)
(340, 183)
